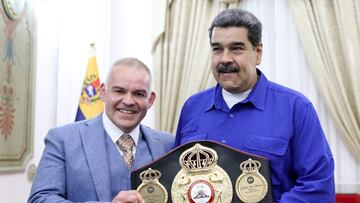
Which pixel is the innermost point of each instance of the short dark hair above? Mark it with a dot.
(239, 18)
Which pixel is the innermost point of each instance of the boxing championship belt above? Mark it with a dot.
(205, 171)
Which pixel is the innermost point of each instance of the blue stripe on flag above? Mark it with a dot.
(79, 115)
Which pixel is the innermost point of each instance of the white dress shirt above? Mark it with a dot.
(114, 132)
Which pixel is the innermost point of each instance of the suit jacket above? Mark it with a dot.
(75, 163)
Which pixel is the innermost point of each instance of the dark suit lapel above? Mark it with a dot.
(94, 141)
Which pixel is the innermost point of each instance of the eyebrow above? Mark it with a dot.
(232, 44)
(141, 90)
(114, 88)
(238, 43)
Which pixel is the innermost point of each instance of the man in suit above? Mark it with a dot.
(85, 161)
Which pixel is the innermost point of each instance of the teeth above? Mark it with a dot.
(126, 111)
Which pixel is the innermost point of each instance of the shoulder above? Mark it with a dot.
(150, 131)
(69, 131)
(161, 135)
(68, 127)
(204, 96)
(287, 93)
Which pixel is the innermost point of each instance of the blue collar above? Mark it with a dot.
(256, 96)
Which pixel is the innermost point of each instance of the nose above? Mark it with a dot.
(128, 100)
(226, 57)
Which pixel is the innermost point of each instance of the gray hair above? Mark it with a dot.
(131, 62)
(239, 18)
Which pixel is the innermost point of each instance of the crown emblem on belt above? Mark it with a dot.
(198, 158)
(150, 175)
(250, 165)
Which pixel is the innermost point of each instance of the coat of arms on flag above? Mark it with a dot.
(90, 104)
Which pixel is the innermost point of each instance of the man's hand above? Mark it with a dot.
(130, 196)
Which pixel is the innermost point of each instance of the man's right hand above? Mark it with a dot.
(129, 196)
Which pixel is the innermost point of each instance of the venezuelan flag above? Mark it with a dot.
(90, 104)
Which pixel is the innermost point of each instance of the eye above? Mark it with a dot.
(237, 48)
(140, 94)
(118, 91)
(215, 49)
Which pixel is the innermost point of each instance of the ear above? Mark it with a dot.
(151, 99)
(259, 51)
(102, 92)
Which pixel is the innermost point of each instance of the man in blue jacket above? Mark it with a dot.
(248, 112)
(91, 161)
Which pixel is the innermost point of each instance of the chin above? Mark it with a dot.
(228, 87)
(233, 90)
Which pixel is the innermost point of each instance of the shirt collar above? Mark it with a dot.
(256, 96)
(258, 93)
(232, 99)
(217, 100)
(114, 132)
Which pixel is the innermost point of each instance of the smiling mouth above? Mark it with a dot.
(126, 111)
(226, 74)
(228, 71)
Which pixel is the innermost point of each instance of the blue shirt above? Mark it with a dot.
(274, 122)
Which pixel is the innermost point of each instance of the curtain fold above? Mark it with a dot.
(181, 55)
(330, 34)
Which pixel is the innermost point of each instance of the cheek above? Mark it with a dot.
(142, 104)
(214, 60)
(215, 73)
(146, 105)
(245, 62)
(112, 102)
(214, 64)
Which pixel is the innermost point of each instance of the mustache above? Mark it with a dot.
(228, 68)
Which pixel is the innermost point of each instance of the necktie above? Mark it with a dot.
(126, 143)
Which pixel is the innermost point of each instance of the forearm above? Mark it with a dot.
(316, 185)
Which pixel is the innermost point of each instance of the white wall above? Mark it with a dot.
(14, 187)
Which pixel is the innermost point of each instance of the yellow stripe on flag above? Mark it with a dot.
(90, 103)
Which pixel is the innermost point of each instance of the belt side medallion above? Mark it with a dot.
(251, 186)
(151, 189)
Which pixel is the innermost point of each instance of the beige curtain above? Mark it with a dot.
(330, 34)
(181, 54)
